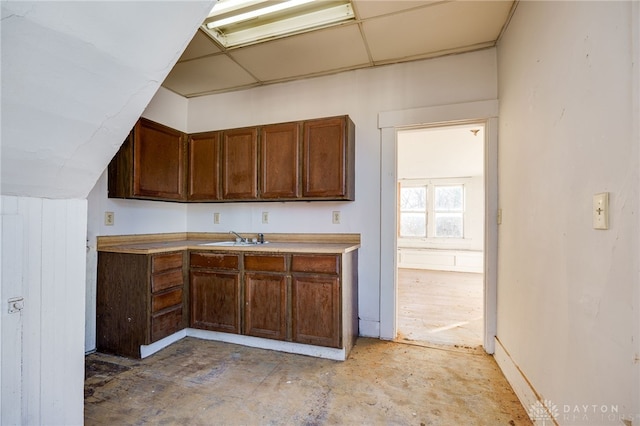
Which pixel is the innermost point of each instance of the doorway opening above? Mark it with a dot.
(440, 233)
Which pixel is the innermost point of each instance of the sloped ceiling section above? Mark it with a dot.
(75, 78)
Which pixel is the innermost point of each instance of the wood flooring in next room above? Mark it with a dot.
(198, 382)
(440, 307)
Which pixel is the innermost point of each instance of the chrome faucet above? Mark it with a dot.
(242, 239)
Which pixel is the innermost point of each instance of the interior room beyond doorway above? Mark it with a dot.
(440, 235)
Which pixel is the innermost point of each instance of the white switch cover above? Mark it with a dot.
(216, 218)
(265, 217)
(601, 211)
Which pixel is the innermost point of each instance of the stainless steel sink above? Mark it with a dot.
(231, 244)
(224, 243)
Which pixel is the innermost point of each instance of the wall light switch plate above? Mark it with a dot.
(265, 217)
(216, 218)
(109, 218)
(601, 211)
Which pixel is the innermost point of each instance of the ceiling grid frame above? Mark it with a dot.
(424, 29)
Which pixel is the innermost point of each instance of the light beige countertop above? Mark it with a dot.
(276, 243)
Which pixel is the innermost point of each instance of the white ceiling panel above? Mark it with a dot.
(201, 45)
(208, 74)
(323, 51)
(436, 29)
(370, 8)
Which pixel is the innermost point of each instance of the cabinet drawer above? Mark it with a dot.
(164, 300)
(214, 260)
(165, 262)
(254, 262)
(166, 323)
(324, 264)
(166, 280)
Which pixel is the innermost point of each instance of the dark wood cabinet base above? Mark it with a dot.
(140, 299)
(294, 298)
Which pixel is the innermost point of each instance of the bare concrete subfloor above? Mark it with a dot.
(198, 382)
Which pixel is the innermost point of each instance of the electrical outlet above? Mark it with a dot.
(109, 218)
(265, 217)
(216, 218)
(335, 217)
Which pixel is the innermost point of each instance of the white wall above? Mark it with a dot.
(567, 306)
(360, 94)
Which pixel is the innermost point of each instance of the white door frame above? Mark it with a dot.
(388, 123)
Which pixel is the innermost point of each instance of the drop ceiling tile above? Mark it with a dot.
(204, 75)
(367, 8)
(317, 52)
(442, 27)
(200, 45)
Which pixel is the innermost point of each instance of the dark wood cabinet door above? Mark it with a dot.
(240, 164)
(265, 305)
(215, 301)
(280, 161)
(158, 161)
(316, 310)
(204, 167)
(328, 159)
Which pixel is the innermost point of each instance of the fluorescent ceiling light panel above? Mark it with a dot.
(225, 6)
(247, 22)
(277, 7)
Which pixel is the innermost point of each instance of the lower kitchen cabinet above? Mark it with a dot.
(215, 292)
(316, 308)
(294, 297)
(301, 298)
(265, 294)
(140, 299)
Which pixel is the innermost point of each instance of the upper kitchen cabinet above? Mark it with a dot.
(240, 164)
(328, 159)
(280, 161)
(150, 164)
(204, 167)
(298, 161)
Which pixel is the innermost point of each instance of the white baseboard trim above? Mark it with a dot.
(147, 350)
(276, 345)
(524, 391)
(254, 342)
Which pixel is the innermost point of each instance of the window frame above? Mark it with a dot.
(437, 211)
(430, 213)
(426, 211)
